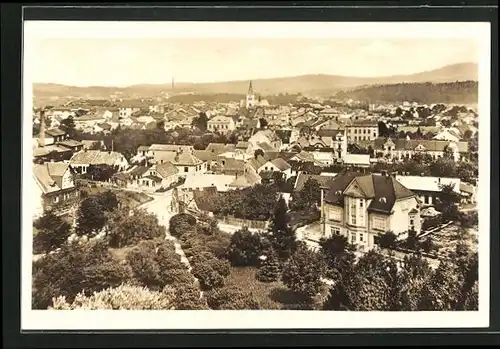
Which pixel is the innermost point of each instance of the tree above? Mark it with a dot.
(302, 273)
(108, 201)
(68, 126)
(144, 267)
(280, 219)
(208, 277)
(177, 278)
(407, 290)
(365, 286)
(76, 268)
(245, 248)
(208, 259)
(125, 229)
(123, 297)
(308, 197)
(52, 233)
(387, 240)
(187, 297)
(334, 245)
(447, 202)
(412, 242)
(271, 269)
(282, 237)
(232, 297)
(35, 130)
(442, 289)
(90, 216)
(201, 122)
(258, 152)
(102, 173)
(181, 223)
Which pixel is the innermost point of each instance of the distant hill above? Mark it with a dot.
(462, 92)
(321, 85)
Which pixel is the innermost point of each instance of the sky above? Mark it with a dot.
(129, 61)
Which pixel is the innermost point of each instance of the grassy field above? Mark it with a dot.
(447, 238)
(273, 295)
(131, 199)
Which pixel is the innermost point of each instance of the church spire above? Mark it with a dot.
(250, 89)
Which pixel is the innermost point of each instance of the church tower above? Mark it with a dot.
(250, 103)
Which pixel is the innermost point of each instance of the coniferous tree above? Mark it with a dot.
(271, 268)
(282, 237)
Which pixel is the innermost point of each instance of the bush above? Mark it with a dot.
(232, 298)
(270, 270)
(387, 240)
(302, 273)
(182, 223)
(245, 248)
(188, 297)
(208, 277)
(74, 269)
(53, 232)
(123, 297)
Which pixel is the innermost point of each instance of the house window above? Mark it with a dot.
(412, 222)
(56, 199)
(361, 237)
(353, 237)
(361, 202)
(378, 223)
(186, 169)
(335, 231)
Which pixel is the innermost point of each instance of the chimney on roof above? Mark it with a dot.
(41, 137)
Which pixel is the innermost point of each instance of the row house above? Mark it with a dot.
(406, 148)
(362, 207)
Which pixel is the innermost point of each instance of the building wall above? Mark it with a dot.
(400, 220)
(185, 170)
(323, 157)
(362, 133)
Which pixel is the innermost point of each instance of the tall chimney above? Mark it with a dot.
(41, 137)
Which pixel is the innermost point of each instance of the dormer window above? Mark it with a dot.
(338, 192)
(383, 199)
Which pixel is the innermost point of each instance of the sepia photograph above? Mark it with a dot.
(304, 174)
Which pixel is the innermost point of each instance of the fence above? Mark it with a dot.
(251, 224)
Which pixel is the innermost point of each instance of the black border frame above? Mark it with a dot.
(317, 11)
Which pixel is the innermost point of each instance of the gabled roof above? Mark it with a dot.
(138, 171)
(258, 162)
(382, 190)
(248, 179)
(48, 176)
(55, 132)
(96, 157)
(70, 143)
(170, 147)
(198, 180)
(302, 178)
(204, 155)
(412, 144)
(266, 147)
(219, 148)
(166, 169)
(281, 164)
(242, 145)
(186, 159)
(143, 148)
